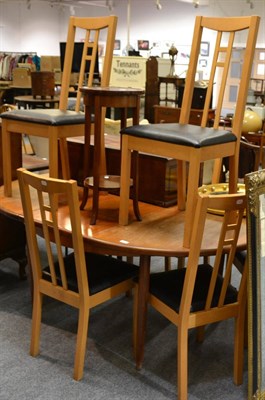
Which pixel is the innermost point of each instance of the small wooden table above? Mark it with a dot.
(96, 99)
(36, 102)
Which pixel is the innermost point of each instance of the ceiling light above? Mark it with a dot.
(158, 5)
(195, 3)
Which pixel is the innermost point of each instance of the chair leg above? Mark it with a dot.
(64, 158)
(182, 363)
(167, 263)
(192, 193)
(81, 342)
(200, 334)
(135, 308)
(135, 160)
(125, 181)
(36, 323)
(22, 268)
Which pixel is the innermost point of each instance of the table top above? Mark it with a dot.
(38, 99)
(112, 91)
(160, 233)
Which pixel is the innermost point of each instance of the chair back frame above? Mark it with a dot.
(231, 26)
(93, 27)
(233, 206)
(48, 191)
(221, 61)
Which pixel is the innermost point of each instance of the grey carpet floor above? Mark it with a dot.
(110, 372)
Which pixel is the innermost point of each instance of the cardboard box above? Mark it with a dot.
(50, 63)
(22, 77)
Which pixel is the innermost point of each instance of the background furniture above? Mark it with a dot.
(167, 92)
(42, 92)
(193, 144)
(58, 124)
(166, 114)
(81, 280)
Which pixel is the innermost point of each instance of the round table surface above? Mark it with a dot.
(160, 233)
(37, 100)
(112, 90)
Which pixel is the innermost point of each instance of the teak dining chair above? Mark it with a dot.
(81, 280)
(198, 295)
(59, 124)
(196, 144)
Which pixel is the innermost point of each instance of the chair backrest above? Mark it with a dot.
(40, 198)
(233, 207)
(227, 30)
(96, 29)
(43, 84)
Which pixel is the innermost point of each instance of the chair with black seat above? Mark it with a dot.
(59, 124)
(198, 295)
(197, 144)
(81, 280)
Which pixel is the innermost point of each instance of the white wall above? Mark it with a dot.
(42, 27)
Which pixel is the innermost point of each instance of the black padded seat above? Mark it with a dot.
(168, 286)
(186, 135)
(53, 117)
(102, 272)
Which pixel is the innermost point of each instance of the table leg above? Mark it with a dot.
(141, 311)
(53, 153)
(86, 155)
(135, 160)
(125, 181)
(97, 164)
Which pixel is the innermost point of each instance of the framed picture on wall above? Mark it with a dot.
(205, 49)
(143, 44)
(203, 63)
(117, 44)
(255, 191)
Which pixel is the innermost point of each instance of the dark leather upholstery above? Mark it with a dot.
(102, 271)
(54, 117)
(168, 286)
(187, 135)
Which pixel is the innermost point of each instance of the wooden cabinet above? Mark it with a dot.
(164, 114)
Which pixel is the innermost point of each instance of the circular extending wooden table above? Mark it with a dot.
(160, 233)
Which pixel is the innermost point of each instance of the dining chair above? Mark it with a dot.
(81, 280)
(202, 294)
(197, 144)
(59, 124)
